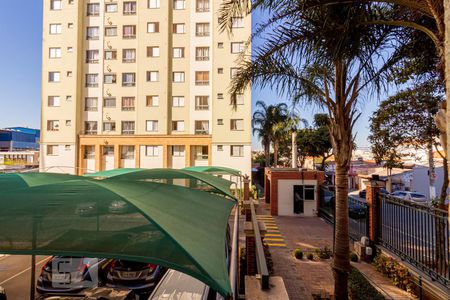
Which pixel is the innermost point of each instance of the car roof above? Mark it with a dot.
(178, 286)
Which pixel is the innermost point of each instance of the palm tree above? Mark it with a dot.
(324, 56)
(267, 125)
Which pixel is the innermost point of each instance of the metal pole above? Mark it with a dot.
(33, 277)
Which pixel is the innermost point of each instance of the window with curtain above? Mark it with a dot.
(109, 102)
(129, 55)
(202, 6)
(202, 127)
(202, 29)
(202, 78)
(201, 152)
(90, 104)
(90, 127)
(109, 126)
(201, 102)
(128, 79)
(91, 80)
(89, 152)
(127, 127)
(127, 152)
(237, 151)
(202, 53)
(129, 31)
(92, 56)
(93, 9)
(152, 76)
(237, 124)
(92, 33)
(128, 103)
(129, 8)
(111, 31)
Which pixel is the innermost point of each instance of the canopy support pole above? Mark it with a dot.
(33, 277)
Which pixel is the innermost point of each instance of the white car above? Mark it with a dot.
(411, 196)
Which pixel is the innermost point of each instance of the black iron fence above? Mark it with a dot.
(418, 234)
(357, 209)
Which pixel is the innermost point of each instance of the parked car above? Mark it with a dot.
(362, 193)
(176, 285)
(356, 211)
(410, 196)
(137, 276)
(65, 274)
(98, 293)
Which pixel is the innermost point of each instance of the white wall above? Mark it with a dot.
(421, 183)
(127, 163)
(286, 198)
(62, 162)
(224, 159)
(89, 166)
(150, 162)
(108, 162)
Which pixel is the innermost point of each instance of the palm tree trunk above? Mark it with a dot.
(275, 153)
(294, 149)
(267, 154)
(444, 188)
(447, 72)
(431, 171)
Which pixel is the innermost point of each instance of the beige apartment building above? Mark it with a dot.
(141, 84)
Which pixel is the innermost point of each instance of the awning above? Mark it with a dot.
(214, 170)
(194, 180)
(169, 225)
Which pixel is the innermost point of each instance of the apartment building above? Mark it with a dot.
(141, 84)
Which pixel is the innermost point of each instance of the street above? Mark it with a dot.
(15, 274)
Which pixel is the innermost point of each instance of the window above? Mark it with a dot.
(111, 7)
(68, 98)
(89, 152)
(177, 101)
(127, 152)
(201, 78)
(233, 72)
(153, 27)
(152, 101)
(129, 31)
(128, 128)
(202, 127)
(202, 6)
(201, 152)
(202, 53)
(239, 99)
(237, 124)
(92, 56)
(52, 149)
(93, 9)
(202, 29)
(53, 125)
(201, 102)
(178, 52)
(55, 28)
(153, 76)
(54, 101)
(55, 52)
(109, 102)
(92, 33)
(220, 96)
(128, 79)
(90, 104)
(237, 22)
(70, 25)
(109, 78)
(237, 151)
(219, 147)
(220, 45)
(153, 51)
(109, 126)
(177, 125)
(68, 123)
(69, 73)
(128, 103)
(237, 47)
(178, 76)
(110, 54)
(178, 151)
(128, 55)
(151, 151)
(129, 8)
(108, 150)
(55, 4)
(178, 28)
(54, 76)
(90, 127)
(70, 49)
(220, 71)
(91, 80)
(153, 3)
(219, 121)
(151, 125)
(179, 4)
(111, 31)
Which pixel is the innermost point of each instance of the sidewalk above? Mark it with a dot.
(303, 278)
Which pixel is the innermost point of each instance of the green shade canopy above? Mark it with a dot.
(190, 179)
(214, 170)
(150, 222)
(12, 181)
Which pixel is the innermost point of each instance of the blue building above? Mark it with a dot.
(19, 139)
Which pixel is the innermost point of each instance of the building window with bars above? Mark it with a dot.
(53, 125)
(178, 77)
(151, 126)
(93, 9)
(129, 55)
(129, 8)
(237, 151)
(201, 102)
(128, 79)
(90, 127)
(111, 31)
(128, 103)
(201, 153)
(202, 53)
(127, 152)
(109, 78)
(202, 5)
(89, 152)
(109, 126)
(92, 33)
(178, 151)
(91, 80)
(129, 31)
(179, 4)
(109, 102)
(178, 52)
(90, 104)
(202, 78)
(127, 127)
(202, 29)
(202, 127)
(92, 56)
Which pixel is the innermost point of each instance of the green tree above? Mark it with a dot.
(316, 142)
(326, 56)
(266, 121)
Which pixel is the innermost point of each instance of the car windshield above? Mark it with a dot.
(178, 286)
(415, 195)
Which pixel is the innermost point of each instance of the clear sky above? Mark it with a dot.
(20, 73)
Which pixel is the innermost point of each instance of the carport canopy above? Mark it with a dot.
(195, 180)
(214, 170)
(168, 225)
(12, 181)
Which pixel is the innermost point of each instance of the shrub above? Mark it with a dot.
(325, 253)
(298, 253)
(359, 288)
(310, 256)
(353, 257)
(399, 274)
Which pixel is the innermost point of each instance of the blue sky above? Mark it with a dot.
(20, 73)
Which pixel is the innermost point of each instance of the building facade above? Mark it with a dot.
(141, 84)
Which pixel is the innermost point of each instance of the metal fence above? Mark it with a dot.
(418, 234)
(358, 225)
